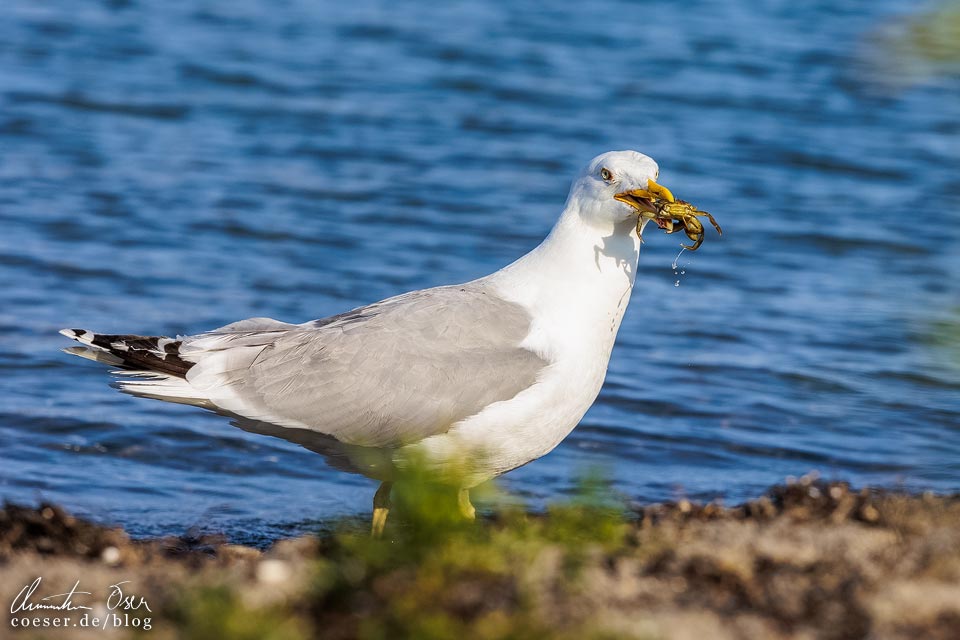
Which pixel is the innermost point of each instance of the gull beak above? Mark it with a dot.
(660, 191)
(642, 199)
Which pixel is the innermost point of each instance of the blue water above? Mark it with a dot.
(170, 167)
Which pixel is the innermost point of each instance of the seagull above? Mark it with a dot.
(471, 380)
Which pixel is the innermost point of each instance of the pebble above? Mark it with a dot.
(273, 572)
(110, 556)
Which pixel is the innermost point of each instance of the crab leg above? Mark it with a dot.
(714, 223)
(695, 245)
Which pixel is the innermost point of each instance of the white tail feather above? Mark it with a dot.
(159, 386)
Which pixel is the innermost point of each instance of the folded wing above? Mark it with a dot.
(387, 374)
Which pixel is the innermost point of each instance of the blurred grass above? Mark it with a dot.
(920, 46)
(945, 337)
(407, 575)
(434, 575)
(219, 612)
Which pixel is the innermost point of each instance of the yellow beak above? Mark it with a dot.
(652, 191)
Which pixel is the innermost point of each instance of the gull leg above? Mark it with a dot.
(463, 501)
(381, 507)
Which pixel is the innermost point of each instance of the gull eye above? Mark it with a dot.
(606, 175)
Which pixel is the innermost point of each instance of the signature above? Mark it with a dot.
(26, 600)
(118, 600)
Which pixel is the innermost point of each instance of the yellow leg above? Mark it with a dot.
(381, 507)
(463, 500)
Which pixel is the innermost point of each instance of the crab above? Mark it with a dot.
(658, 204)
(680, 211)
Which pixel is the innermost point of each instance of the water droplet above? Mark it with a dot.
(683, 272)
(674, 267)
(677, 283)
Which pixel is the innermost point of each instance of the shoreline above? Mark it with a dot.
(808, 559)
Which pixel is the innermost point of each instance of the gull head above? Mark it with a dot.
(615, 187)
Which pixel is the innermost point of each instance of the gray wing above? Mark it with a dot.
(255, 324)
(391, 373)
